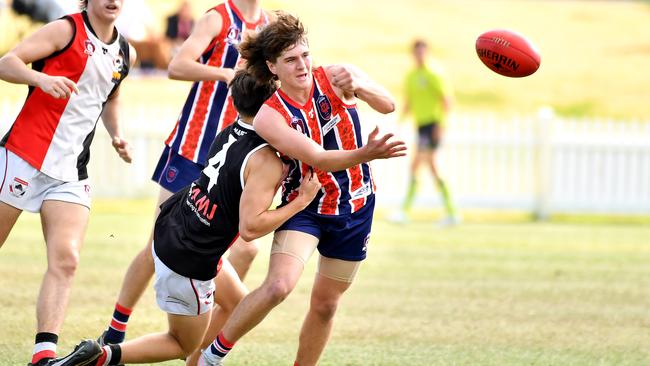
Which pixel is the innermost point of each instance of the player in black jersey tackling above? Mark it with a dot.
(197, 225)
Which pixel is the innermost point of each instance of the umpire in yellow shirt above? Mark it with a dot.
(428, 99)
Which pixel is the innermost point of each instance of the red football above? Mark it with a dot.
(507, 53)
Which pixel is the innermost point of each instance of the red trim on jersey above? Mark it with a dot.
(276, 104)
(248, 25)
(307, 105)
(324, 82)
(171, 137)
(34, 128)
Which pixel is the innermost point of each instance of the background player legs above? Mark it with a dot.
(135, 282)
(413, 182)
(141, 269)
(9, 215)
(317, 326)
(241, 256)
(64, 227)
(452, 216)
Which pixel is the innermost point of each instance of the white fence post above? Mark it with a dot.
(543, 134)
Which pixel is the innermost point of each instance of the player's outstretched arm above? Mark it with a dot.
(262, 176)
(50, 38)
(351, 82)
(185, 65)
(271, 126)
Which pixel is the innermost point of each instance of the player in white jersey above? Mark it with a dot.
(78, 63)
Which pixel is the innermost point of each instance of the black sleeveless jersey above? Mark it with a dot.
(198, 224)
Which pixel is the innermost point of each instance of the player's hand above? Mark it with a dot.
(379, 147)
(309, 187)
(343, 79)
(57, 86)
(227, 74)
(122, 148)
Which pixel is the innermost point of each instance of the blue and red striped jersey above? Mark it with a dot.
(209, 108)
(334, 125)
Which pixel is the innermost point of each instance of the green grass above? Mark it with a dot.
(594, 54)
(508, 292)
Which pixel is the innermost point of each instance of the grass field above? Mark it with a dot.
(517, 293)
(594, 53)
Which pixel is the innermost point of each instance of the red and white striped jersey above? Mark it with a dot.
(209, 108)
(54, 135)
(334, 125)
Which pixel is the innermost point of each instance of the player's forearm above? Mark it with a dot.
(110, 117)
(14, 70)
(335, 160)
(269, 220)
(376, 96)
(190, 70)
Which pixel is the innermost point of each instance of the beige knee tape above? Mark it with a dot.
(294, 243)
(338, 269)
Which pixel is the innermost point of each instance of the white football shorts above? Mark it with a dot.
(25, 187)
(180, 295)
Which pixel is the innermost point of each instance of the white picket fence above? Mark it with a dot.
(540, 163)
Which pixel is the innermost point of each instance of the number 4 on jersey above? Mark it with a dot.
(216, 162)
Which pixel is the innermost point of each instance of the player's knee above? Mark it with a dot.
(249, 251)
(187, 346)
(325, 309)
(64, 264)
(277, 290)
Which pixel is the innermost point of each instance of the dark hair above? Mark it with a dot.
(270, 42)
(248, 94)
(83, 4)
(420, 43)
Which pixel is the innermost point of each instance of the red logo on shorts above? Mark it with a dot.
(18, 187)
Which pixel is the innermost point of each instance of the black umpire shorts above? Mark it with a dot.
(429, 136)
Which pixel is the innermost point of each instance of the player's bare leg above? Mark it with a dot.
(8, 217)
(64, 227)
(289, 252)
(230, 291)
(284, 272)
(242, 254)
(184, 337)
(317, 326)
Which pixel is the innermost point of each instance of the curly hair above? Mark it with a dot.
(283, 33)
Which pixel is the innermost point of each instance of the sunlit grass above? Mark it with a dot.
(499, 290)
